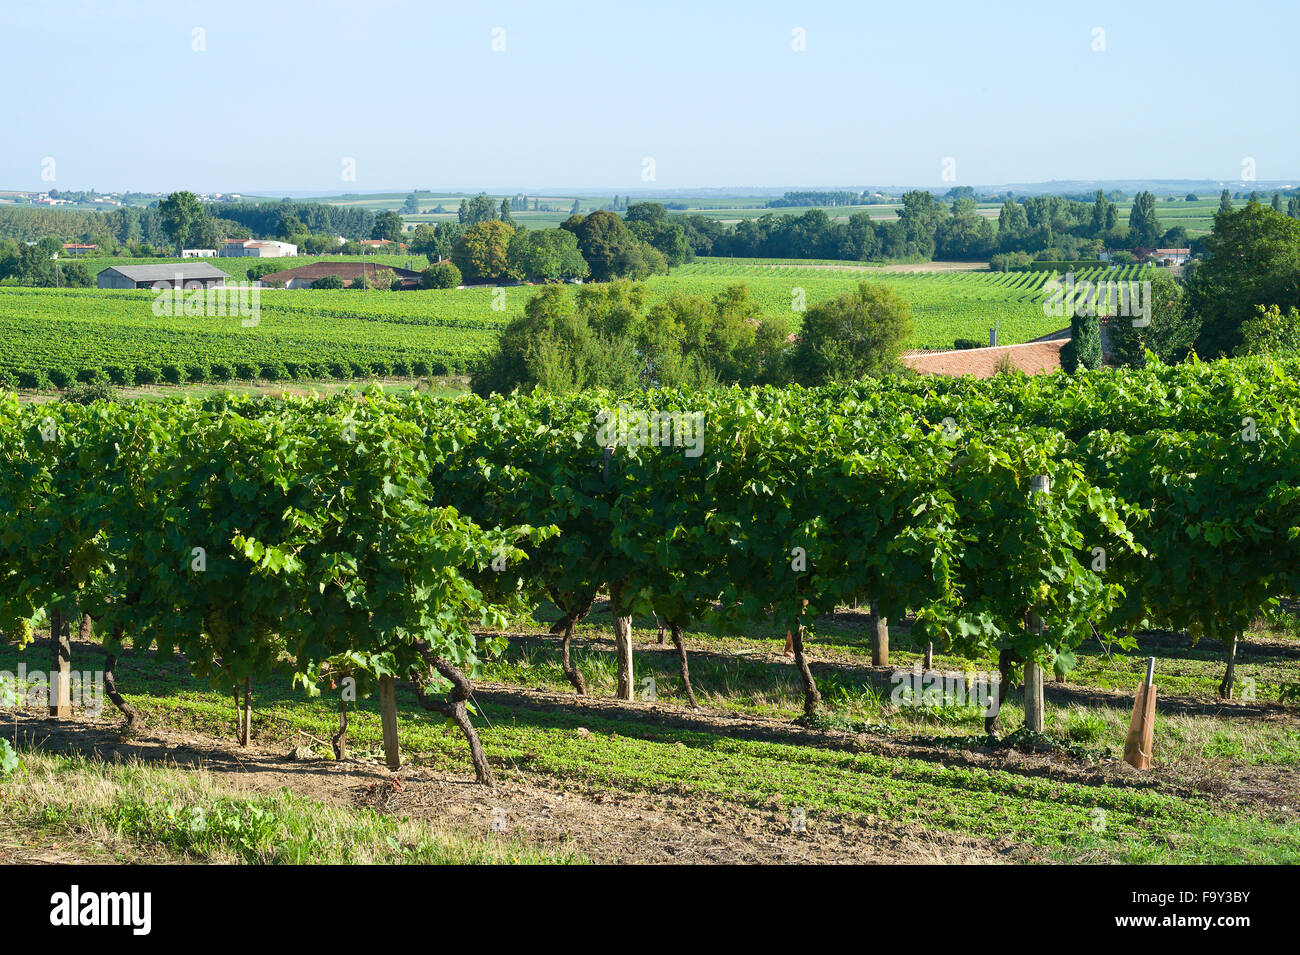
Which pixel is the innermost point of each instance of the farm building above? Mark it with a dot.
(1173, 256)
(1039, 357)
(198, 253)
(161, 276)
(78, 248)
(304, 275)
(257, 248)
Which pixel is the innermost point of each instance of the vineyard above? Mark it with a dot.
(284, 549)
(51, 338)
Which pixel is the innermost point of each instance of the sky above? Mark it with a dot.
(281, 96)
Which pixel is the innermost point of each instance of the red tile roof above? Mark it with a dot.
(1034, 358)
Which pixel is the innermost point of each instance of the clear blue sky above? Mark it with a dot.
(583, 92)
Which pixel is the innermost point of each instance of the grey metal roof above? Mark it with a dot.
(162, 273)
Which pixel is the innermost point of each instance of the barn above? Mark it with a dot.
(304, 275)
(186, 274)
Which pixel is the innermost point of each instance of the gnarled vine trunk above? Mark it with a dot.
(1229, 675)
(339, 741)
(811, 695)
(686, 669)
(455, 709)
(111, 688)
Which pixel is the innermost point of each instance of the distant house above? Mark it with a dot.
(78, 248)
(304, 275)
(257, 248)
(1173, 256)
(198, 274)
(198, 253)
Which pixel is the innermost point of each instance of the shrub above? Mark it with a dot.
(172, 375)
(244, 371)
(196, 373)
(221, 372)
(59, 378)
(85, 394)
(327, 282)
(116, 374)
(144, 375)
(88, 376)
(442, 275)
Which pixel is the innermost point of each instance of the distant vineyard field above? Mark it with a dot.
(56, 337)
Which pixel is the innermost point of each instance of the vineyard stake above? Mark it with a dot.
(1142, 724)
(879, 637)
(388, 717)
(1034, 702)
(61, 669)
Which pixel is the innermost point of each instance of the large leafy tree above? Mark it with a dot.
(1253, 259)
(547, 255)
(482, 254)
(1171, 334)
(856, 334)
(388, 225)
(1143, 223)
(606, 243)
(180, 212)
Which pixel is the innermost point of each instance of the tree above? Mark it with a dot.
(388, 225)
(575, 210)
(411, 205)
(1170, 335)
(180, 212)
(1143, 224)
(1013, 227)
(1293, 207)
(482, 254)
(1271, 333)
(287, 227)
(1253, 259)
(479, 209)
(608, 246)
(649, 222)
(328, 282)
(856, 334)
(1277, 202)
(1083, 350)
(1191, 197)
(547, 255)
(505, 213)
(442, 275)
(1225, 202)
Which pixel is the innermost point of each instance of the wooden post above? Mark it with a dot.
(388, 717)
(60, 665)
(1142, 724)
(625, 688)
(626, 684)
(879, 637)
(1034, 705)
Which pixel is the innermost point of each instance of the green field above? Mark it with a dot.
(50, 337)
